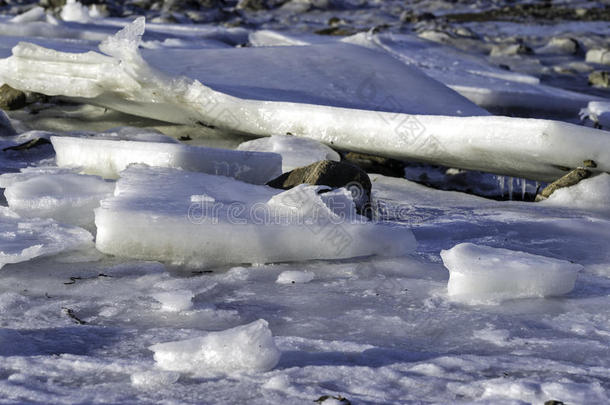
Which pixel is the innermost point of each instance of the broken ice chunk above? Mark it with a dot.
(106, 158)
(196, 219)
(245, 348)
(175, 301)
(24, 239)
(485, 273)
(55, 193)
(295, 151)
(294, 277)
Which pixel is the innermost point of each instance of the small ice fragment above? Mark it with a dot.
(24, 239)
(482, 272)
(175, 301)
(154, 379)
(74, 11)
(36, 13)
(295, 151)
(46, 193)
(294, 277)
(279, 382)
(244, 348)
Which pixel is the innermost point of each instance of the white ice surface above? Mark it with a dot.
(479, 273)
(244, 348)
(49, 192)
(23, 239)
(295, 152)
(198, 220)
(175, 300)
(295, 277)
(106, 157)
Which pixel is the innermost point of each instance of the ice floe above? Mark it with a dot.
(241, 349)
(196, 219)
(480, 273)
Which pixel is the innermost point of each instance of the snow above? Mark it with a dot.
(295, 277)
(295, 152)
(107, 157)
(155, 215)
(598, 111)
(23, 239)
(244, 348)
(479, 273)
(589, 194)
(74, 11)
(68, 198)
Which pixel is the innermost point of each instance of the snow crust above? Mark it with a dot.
(295, 277)
(589, 194)
(107, 157)
(295, 152)
(244, 348)
(196, 219)
(479, 273)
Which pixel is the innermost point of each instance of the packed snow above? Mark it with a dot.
(482, 272)
(201, 285)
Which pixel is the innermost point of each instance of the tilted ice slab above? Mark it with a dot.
(50, 192)
(295, 151)
(479, 273)
(248, 347)
(530, 148)
(196, 219)
(107, 157)
(24, 239)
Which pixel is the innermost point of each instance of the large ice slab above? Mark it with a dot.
(24, 239)
(244, 348)
(530, 148)
(49, 192)
(482, 273)
(107, 157)
(196, 219)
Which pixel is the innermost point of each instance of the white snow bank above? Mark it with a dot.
(295, 277)
(295, 152)
(196, 219)
(591, 194)
(53, 193)
(245, 348)
(24, 239)
(176, 300)
(479, 273)
(107, 157)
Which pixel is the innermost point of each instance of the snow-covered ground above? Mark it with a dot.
(136, 268)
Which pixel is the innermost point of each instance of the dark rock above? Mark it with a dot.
(11, 99)
(342, 400)
(553, 402)
(599, 78)
(376, 164)
(334, 175)
(570, 179)
(52, 4)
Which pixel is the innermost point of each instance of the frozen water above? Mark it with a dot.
(196, 219)
(295, 277)
(295, 152)
(53, 193)
(244, 348)
(599, 112)
(24, 239)
(74, 11)
(479, 273)
(107, 157)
